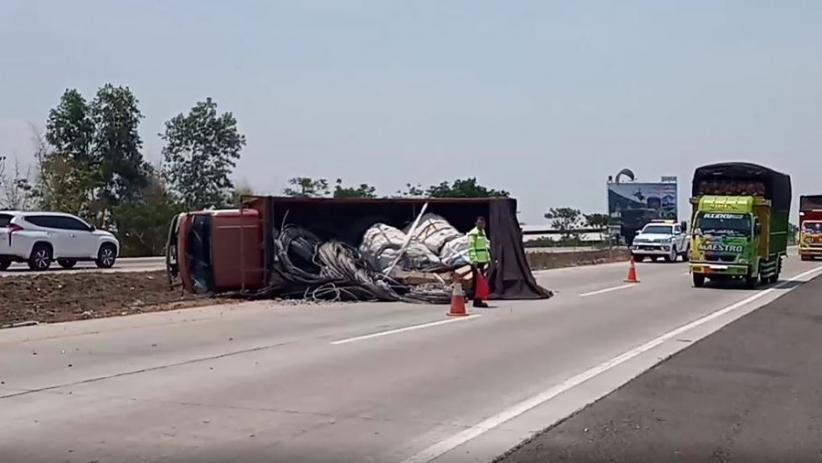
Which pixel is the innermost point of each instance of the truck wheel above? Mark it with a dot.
(751, 281)
(5, 263)
(699, 279)
(639, 258)
(671, 257)
(807, 258)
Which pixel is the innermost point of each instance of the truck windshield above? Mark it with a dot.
(724, 224)
(812, 227)
(657, 229)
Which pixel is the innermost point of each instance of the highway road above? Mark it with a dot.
(259, 381)
(132, 264)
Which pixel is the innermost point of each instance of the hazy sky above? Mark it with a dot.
(544, 99)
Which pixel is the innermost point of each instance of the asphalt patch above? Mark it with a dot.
(751, 392)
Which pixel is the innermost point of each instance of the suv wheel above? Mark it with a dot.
(67, 263)
(106, 256)
(671, 257)
(5, 263)
(40, 258)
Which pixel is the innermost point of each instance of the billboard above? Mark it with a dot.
(634, 204)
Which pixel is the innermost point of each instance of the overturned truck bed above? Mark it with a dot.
(325, 236)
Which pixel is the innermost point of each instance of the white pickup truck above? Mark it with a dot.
(661, 238)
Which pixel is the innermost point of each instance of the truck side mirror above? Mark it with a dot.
(684, 226)
(757, 228)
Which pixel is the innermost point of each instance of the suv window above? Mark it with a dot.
(69, 223)
(5, 219)
(47, 221)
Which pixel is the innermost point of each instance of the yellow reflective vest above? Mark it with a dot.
(479, 247)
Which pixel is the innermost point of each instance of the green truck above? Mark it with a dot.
(739, 224)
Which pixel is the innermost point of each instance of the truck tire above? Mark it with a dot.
(639, 258)
(807, 258)
(5, 263)
(671, 257)
(751, 281)
(699, 279)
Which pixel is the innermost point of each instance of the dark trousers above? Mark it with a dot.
(476, 270)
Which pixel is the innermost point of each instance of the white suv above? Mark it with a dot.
(39, 238)
(661, 238)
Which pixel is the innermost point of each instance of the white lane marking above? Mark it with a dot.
(488, 424)
(403, 330)
(608, 290)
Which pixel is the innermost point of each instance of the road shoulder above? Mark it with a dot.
(749, 392)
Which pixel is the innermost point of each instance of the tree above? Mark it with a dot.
(465, 188)
(92, 159)
(239, 192)
(142, 225)
(597, 220)
(411, 191)
(566, 220)
(306, 187)
(201, 151)
(362, 191)
(66, 180)
(17, 188)
(70, 129)
(123, 174)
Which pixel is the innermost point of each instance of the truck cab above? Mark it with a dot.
(810, 227)
(216, 250)
(661, 238)
(730, 240)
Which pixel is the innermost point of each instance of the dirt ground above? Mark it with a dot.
(549, 260)
(57, 297)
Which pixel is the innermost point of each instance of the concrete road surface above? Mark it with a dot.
(348, 383)
(748, 393)
(126, 264)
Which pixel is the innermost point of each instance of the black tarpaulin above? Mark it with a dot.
(777, 184)
(348, 219)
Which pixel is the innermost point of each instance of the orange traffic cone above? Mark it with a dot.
(632, 276)
(457, 300)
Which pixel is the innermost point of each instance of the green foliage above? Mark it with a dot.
(411, 191)
(305, 187)
(597, 220)
(142, 225)
(464, 188)
(116, 144)
(92, 161)
(201, 151)
(70, 128)
(566, 220)
(362, 191)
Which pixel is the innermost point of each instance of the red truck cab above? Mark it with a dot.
(217, 250)
(810, 227)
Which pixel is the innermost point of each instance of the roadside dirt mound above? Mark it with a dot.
(56, 297)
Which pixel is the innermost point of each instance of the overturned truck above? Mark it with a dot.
(346, 249)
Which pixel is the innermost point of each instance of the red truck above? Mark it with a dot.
(810, 227)
(221, 251)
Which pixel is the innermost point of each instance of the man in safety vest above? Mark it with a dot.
(479, 252)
